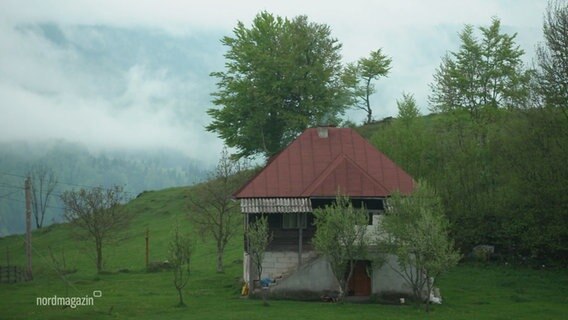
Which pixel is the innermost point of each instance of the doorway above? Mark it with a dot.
(360, 282)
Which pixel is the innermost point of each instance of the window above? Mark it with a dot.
(294, 220)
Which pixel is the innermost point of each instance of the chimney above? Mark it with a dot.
(323, 131)
(323, 128)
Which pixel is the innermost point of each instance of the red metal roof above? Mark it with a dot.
(313, 166)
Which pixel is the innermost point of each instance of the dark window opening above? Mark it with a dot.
(294, 221)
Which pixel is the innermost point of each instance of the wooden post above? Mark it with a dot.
(147, 246)
(28, 227)
(300, 238)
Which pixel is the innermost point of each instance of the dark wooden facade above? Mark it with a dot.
(288, 239)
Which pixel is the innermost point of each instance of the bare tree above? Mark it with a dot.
(214, 212)
(44, 182)
(98, 214)
(180, 250)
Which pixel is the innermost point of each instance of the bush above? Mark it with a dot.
(158, 266)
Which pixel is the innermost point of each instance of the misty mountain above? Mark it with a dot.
(76, 167)
(108, 87)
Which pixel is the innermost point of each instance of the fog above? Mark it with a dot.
(135, 74)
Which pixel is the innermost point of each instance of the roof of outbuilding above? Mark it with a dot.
(314, 166)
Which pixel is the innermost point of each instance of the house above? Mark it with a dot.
(307, 175)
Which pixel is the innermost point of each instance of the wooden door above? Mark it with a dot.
(360, 283)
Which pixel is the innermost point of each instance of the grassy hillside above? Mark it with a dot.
(470, 292)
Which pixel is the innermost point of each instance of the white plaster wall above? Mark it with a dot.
(386, 280)
(279, 263)
(315, 276)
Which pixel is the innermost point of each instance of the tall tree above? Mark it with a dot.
(214, 212)
(416, 231)
(340, 237)
(44, 182)
(98, 215)
(482, 75)
(360, 76)
(552, 58)
(473, 87)
(280, 77)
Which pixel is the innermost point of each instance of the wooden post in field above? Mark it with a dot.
(29, 227)
(147, 246)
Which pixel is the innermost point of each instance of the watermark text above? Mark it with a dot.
(72, 302)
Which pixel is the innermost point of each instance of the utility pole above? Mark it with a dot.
(28, 186)
(147, 245)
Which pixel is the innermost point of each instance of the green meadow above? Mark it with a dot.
(129, 292)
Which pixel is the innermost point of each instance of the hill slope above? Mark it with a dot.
(128, 292)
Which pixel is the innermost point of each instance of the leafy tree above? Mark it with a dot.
(473, 87)
(407, 108)
(360, 75)
(98, 215)
(214, 212)
(482, 75)
(44, 182)
(180, 249)
(416, 231)
(552, 58)
(407, 139)
(499, 167)
(340, 237)
(281, 76)
(532, 152)
(258, 238)
(540, 147)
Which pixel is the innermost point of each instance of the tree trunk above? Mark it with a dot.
(40, 225)
(99, 255)
(368, 102)
(220, 261)
(344, 282)
(349, 275)
(429, 286)
(180, 294)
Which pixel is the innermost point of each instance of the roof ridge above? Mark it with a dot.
(324, 174)
(366, 174)
(331, 168)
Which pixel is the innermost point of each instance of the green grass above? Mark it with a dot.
(469, 291)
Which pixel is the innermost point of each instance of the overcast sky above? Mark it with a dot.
(134, 73)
